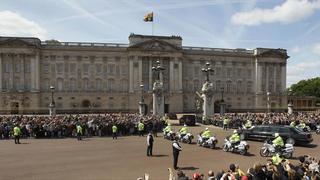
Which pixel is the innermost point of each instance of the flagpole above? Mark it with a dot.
(152, 28)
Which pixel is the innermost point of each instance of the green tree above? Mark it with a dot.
(309, 87)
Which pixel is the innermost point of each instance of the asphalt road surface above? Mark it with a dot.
(125, 158)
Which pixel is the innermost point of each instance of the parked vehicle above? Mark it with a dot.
(242, 148)
(269, 150)
(189, 120)
(210, 143)
(186, 138)
(289, 134)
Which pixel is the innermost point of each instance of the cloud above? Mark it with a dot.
(296, 50)
(303, 70)
(316, 49)
(288, 12)
(13, 24)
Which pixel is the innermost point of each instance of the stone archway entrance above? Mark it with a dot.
(86, 104)
(217, 106)
(14, 108)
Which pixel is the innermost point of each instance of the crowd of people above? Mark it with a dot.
(236, 120)
(66, 125)
(306, 169)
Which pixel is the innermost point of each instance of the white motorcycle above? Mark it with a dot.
(242, 147)
(305, 129)
(169, 135)
(211, 142)
(269, 150)
(187, 138)
(318, 129)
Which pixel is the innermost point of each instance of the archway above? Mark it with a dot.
(86, 103)
(217, 106)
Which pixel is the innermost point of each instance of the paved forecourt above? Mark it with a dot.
(125, 158)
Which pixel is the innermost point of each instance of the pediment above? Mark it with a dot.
(154, 45)
(273, 53)
(16, 42)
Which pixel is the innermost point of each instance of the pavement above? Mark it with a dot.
(125, 158)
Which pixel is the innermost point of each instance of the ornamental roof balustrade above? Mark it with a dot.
(218, 49)
(84, 44)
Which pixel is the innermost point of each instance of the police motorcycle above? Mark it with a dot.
(242, 148)
(318, 129)
(210, 143)
(268, 150)
(187, 138)
(304, 129)
(169, 135)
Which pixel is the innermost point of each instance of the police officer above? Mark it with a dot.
(278, 142)
(206, 134)
(225, 123)
(149, 144)
(79, 132)
(114, 131)
(276, 159)
(176, 148)
(183, 131)
(16, 134)
(234, 139)
(140, 128)
(248, 124)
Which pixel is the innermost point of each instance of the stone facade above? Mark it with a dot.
(106, 77)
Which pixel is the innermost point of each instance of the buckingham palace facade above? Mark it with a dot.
(106, 77)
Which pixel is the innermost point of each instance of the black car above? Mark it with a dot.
(189, 120)
(288, 133)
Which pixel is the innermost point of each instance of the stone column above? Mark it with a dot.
(158, 99)
(131, 75)
(140, 70)
(180, 75)
(11, 71)
(172, 75)
(1, 76)
(150, 73)
(37, 72)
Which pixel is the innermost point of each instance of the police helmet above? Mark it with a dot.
(276, 134)
(235, 131)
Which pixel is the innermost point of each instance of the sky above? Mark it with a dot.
(290, 24)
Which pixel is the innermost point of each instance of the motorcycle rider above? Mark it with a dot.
(234, 139)
(183, 131)
(248, 124)
(278, 142)
(206, 134)
(167, 129)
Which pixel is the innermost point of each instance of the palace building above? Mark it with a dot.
(106, 77)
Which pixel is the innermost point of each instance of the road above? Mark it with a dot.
(125, 158)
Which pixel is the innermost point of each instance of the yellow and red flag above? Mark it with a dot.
(148, 17)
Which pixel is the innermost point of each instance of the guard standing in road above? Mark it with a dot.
(140, 128)
(114, 132)
(79, 132)
(150, 144)
(16, 134)
(176, 150)
(225, 123)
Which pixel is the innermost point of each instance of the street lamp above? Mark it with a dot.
(222, 90)
(268, 101)
(141, 103)
(52, 110)
(290, 103)
(222, 103)
(208, 70)
(142, 91)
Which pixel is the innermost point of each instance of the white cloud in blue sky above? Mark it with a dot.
(290, 24)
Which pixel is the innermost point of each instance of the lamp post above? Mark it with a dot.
(141, 103)
(222, 103)
(290, 102)
(207, 70)
(52, 106)
(268, 101)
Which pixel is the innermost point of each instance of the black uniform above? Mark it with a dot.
(176, 150)
(150, 144)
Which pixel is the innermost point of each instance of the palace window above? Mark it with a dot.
(98, 68)
(239, 87)
(46, 68)
(111, 68)
(229, 84)
(85, 84)
(73, 68)
(85, 68)
(60, 84)
(17, 67)
(59, 68)
(73, 84)
(27, 66)
(99, 84)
